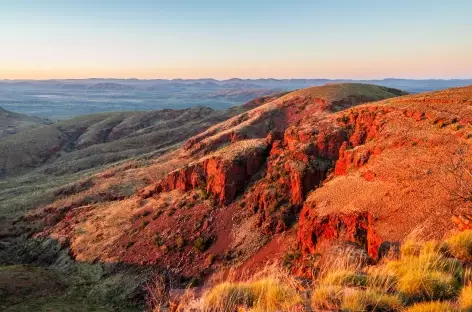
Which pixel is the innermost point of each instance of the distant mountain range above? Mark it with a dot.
(410, 85)
(65, 98)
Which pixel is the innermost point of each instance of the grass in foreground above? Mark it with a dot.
(428, 277)
(260, 296)
(465, 299)
(460, 245)
(432, 306)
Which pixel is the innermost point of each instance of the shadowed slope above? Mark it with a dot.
(12, 123)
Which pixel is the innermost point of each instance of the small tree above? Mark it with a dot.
(158, 292)
(460, 169)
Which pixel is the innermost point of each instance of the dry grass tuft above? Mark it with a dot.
(427, 285)
(229, 297)
(428, 275)
(327, 297)
(344, 278)
(274, 295)
(370, 300)
(381, 278)
(434, 306)
(465, 299)
(261, 296)
(410, 248)
(460, 245)
(418, 281)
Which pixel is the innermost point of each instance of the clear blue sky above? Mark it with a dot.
(222, 39)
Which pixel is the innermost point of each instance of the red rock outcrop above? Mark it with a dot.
(315, 231)
(298, 164)
(350, 158)
(463, 222)
(220, 176)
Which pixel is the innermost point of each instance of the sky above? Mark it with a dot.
(359, 39)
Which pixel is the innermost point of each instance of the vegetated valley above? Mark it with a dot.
(341, 197)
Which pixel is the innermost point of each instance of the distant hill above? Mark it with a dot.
(13, 123)
(110, 86)
(409, 85)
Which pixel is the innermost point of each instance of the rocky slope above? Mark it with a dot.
(347, 162)
(249, 167)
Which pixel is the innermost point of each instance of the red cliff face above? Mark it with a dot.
(299, 163)
(344, 147)
(221, 177)
(350, 158)
(315, 232)
(293, 163)
(279, 195)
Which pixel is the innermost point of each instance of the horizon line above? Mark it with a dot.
(232, 78)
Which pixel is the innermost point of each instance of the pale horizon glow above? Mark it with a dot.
(337, 39)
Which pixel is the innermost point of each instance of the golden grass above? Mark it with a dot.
(381, 278)
(465, 299)
(434, 306)
(424, 278)
(460, 245)
(327, 297)
(344, 278)
(428, 285)
(260, 296)
(426, 274)
(273, 295)
(229, 297)
(426, 262)
(370, 300)
(410, 248)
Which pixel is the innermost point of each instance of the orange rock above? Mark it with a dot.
(315, 231)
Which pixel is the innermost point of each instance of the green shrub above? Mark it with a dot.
(202, 243)
(158, 240)
(129, 244)
(179, 242)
